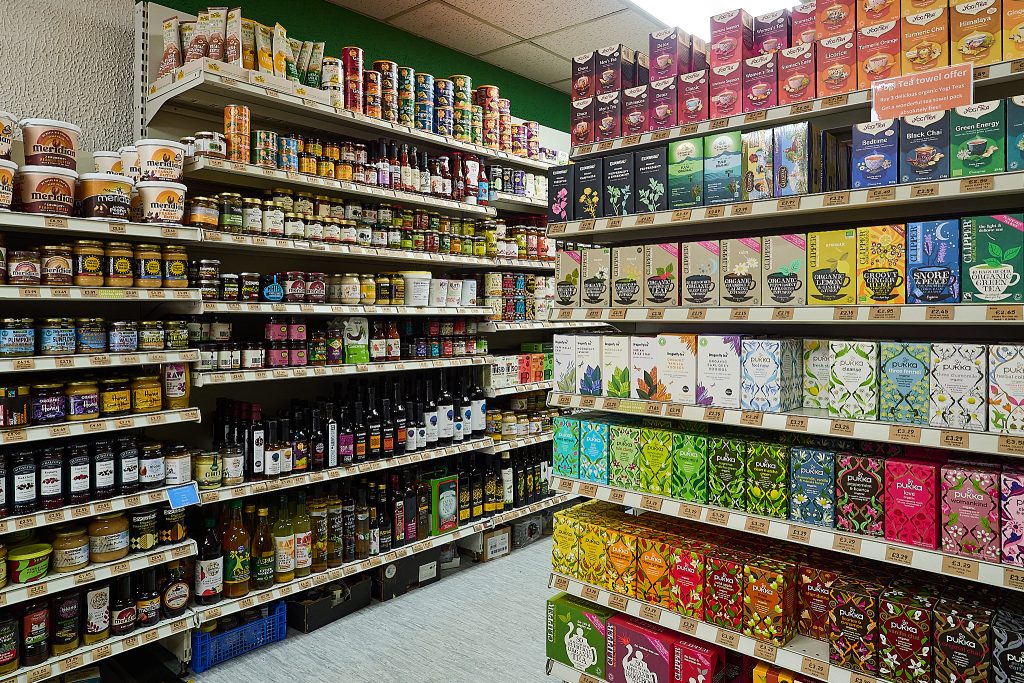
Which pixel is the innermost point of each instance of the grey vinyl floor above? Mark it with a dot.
(483, 623)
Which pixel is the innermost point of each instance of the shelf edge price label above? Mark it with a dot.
(782, 313)
(814, 668)
(939, 313)
(751, 418)
(983, 183)
(719, 517)
(727, 638)
(845, 313)
(618, 602)
(856, 677)
(650, 613)
(798, 534)
(618, 497)
(756, 525)
(960, 566)
(841, 428)
(884, 313)
(590, 593)
(689, 511)
(650, 503)
(881, 194)
(905, 434)
(765, 651)
(588, 490)
(1013, 578)
(43, 672)
(565, 485)
(797, 423)
(787, 203)
(714, 415)
(836, 198)
(846, 544)
(898, 555)
(1010, 445)
(561, 583)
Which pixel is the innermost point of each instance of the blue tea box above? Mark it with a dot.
(933, 262)
(594, 451)
(565, 458)
(796, 151)
(876, 148)
(812, 486)
(924, 147)
(772, 376)
(723, 167)
(727, 472)
(903, 382)
(1015, 133)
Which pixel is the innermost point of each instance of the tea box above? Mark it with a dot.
(651, 172)
(615, 68)
(802, 24)
(655, 554)
(593, 451)
(1015, 125)
(727, 472)
(874, 12)
(688, 577)
(961, 637)
(627, 275)
(903, 385)
(769, 600)
(565, 363)
(661, 104)
(905, 633)
(634, 110)
(875, 153)
(719, 360)
(812, 486)
(669, 51)
(1006, 388)
(723, 167)
(924, 40)
(924, 147)
(814, 585)
(816, 368)
(797, 74)
(596, 270)
(732, 37)
(771, 32)
(700, 267)
(881, 264)
(581, 121)
(593, 551)
(724, 588)
(1007, 646)
(860, 491)
(911, 6)
(837, 64)
(689, 467)
(832, 267)
(853, 624)
(912, 502)
(619, 185)
(1011, 507)
(588, 365)
(975, 32)
(992, 258)
(772, 381)
(565, 441)
(833, 17)
(576, 633)
(767, 479)
(624, 456)
(608, 116)
(741, 271)
(620, 553)
(675, 356)
(692, 93)
(643, 70)
(615, 365)
(758, 179)
(977, 139)
(564, 544)
(655, 461)
(685, 173)
(725, 90)
(1013, 30)
(796, 152)
(957, 377)
(560, 188)
(637, 646)
(584, 82)
(853, 380)
(696, 660)
(970, 511)
(933, 262)
(760, 78)
(567, 278)
(783, 269)
(661, 271)
(589, 184)
(878, 51)
(644, 370)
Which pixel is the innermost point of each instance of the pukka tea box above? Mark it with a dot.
(903, 382)
(853, 380)
(723, 167)
(676, 358)
(814, 585)
(853, 624)
(624, 456)
(912, 502)
(760, 82)
(565, 363)
(700, 268)
(970, 511)
(692, 93)
(592, 555)
(961, 640)
(1007, 661)
(772, 380)
(878, 52)
(875, 153)
(651, 172)
(634, 110)
(769, 600)
(975, 32)
(662, 101)
(656, 553)
(564, 544)
(924, 40)
(567, 278)
(881, 264)
(758, 178)
(860, 494)
(832, 267)
(594, 451)
(1015, 127)
(732, 37)
(661, 271)
(566, 446)
(812, 486)
(767, 479)
(724, 587)
(783, 269)
(957, 378)
(615, 365)
(686, 173)
(1006, 388)
(655, 461)
(669, 51)
(644, 370)
(608, 116)
(741, 271)
(977, 139)
(589, 184)
(588, 364)
(560, 188)
(816, 368)
(1011, 501)
(584, 81)
(634, 645)
(620, 553)
(596, 272)
(797, 74)
(581, 120)
(696, 660)
(619, 184)
(834, 17)
(874, 12)
(771, 32)
(802, 24)
(614, 68)
(718, 357)
(577, 633)
(797, 153)
(836, 60)
(1013, 29)
(690, 467)
(627, 275)
(905, 633)
(992, 258)
(689, 572)
(727, 472)
(725, 90)
(924, 147)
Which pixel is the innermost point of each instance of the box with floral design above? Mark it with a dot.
(881, 264)
(767, 479)
(727, 472)
(970, 511)
(1006, 388)
(656, 460)
(700, 268)
(816, 366)
(832, 267)
(644, 370)
(588, 364)
(595, 274)
(620, 541)
(903, 385)
(719, 359)
(769, 600)
(656, 554)
(589, 189)
(723, 593)
(812, 486)
(627, 276)
(962, 633)
(688, 577)
(676, 359)
(1007, 646)
(905, 633)
(624, 456)
(576, 633)
(740, 263)
(853, 624)
(594, 451)
(615, 360)
(853, 380)
(772, 380)
(1011, 506)
(593, 551)
(860, 494)
(698, 661)
(689, 467)
(564, 544)
(723, 165)
(957, 386)
(565, 441)
(638, 648)
(814, 586)
(565, 362)
(912, 502)
(661, 274)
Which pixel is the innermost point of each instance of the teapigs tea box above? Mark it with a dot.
(588, 364)
(812, 486)
(627, 275)
(876, 153)
(912, 502)
(719, 360)
(905, 633)
(634, 645)
(615, 365)
(924, 147)
(594, 451)
(619, 184)
(769, 600)
(962, 633)
(651, 173)
(860, 494)
(661, 271)
(977, 139)
(566, 446)
(741, 271)
(1006, 388)
(758, 180)
(992, 258)
(881, 264)
(689, 467)
(903, 385)
(783, 269)
(1015, 120)
(853, 380)
(675, 356)
(832, 267)
(685, 173)
(816, 368)
(853, 624)
(933, 262)
(768, 479)
(957, 387)
(772, 378)
(576, 633)
(1011, 502)
(727, 472)
(567, 278)
(589, 184)
(1007, 647)
(970, 511)
(596, 271)
(723, 167)
(624, 456)
(700, 268)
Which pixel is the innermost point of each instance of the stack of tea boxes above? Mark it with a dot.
(534, 363)
(900, 626)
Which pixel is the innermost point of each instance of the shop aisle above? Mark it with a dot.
(484, 623)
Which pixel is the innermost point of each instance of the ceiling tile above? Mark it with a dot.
(448, 26)
(378, 9)
(626, 27)
(561, 85)
(528, 18)
(530, 61)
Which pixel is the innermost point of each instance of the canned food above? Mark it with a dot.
(236, 132)
(424, 88)
(352, 60)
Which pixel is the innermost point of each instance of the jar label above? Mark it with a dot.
(109, 543)
(234, 466)
(35, 626)
(79, 478)
(89, 264)
(303, 549)
(175, 269)
(148, 269)
(84, 405)
(119, 267)
(123, 340)
(71, 558)
(24, 487)
(146, 399)
(176, 471)
(130, 469)
(175, 382)
(18, 342)
(57, 269)
(209, 577)
(50, 481)
(97, 609)
(115, 401)
(151, 470)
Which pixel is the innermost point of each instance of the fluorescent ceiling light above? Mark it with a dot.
(693, 16)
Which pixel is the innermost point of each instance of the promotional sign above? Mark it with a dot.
(934, 90)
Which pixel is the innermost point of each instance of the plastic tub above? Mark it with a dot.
(438, 292)
(105, 196)
(28, 563)
(50, 143)
(8, 122)
(130, 165)
(45, 189)
(7, 171)
(107, 161)
(160, 159)
(162, 201)
(417, 288)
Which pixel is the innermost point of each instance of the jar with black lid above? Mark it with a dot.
(229, 287)
(78, 474)
(123, 336)
(104, 479)
(151, 466)
(230, 212)
(51, 477)
(207, 269)
(175, 335)
(209, 290)
(151, 335)
(24, 481)
(126, 457)
(249, 287)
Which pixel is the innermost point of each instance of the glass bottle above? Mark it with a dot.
(405, 169)
(335, 542)
(396, 510)
(362, 528)
(209, 581)
(147, 600)
(284, 544)
(409, 506)
(476, 483)
(262, 552)
(424, 174)
(237, 558)
(384, 519)
(399, 415)
(393, 342)
(348, 526)
(482, 188)
(360, 438)
(303, 537)
(175, 592)
(430, 415)
(446, 178)
(507, 481)
(445, 413)
(414, 170)
(346, 436)
(317, 441)
(465, 494)
(478, 405)
(395, 166)
(285, 446)
(458, 178)
(96, 617)
(387, 430)
(299, 442)
(374, 521)
(123, 613)
(35, 632)
(318, 525)
(422, 510)
(375, 444)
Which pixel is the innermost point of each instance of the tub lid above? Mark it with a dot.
(6, 163)
(117, 177)
(159, 142)
(106, 153)
(416, 273)
(126, 148)
(50, 170)
(50, 122)
(160, 183)
(31, 551)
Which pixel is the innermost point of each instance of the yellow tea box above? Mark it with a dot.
(975, 32)
(881, 264)
(593, 552)
(644, 369)
(565, 544)
(627, 276)
(676, 359)
(620, 564)
(832, 267)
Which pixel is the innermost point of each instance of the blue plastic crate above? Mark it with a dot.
(209, 650)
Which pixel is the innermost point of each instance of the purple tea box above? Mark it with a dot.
(614, 68)
(876, 149)
(1011, 514)
(634, 110)
(661, 104)
(583, 80)
(771, 32)
(912, 502)
(970, 511)
(669, 53)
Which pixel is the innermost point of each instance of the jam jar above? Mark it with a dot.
(248, 286)
(122, 336)
(108, 537)
(47, 404)
(88, 263)
(230, 219)
(209, 290)
(83, 400)
(119, 265)
(90, 335)
(229, 287)
(207, 269)
(295, 286)
(151, 335)
(316, 288)
(17, 337)
(252, 216)
(56, 336)
(55, 265)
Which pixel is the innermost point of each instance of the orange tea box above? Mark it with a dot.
(620, 564)
(835, 17)
(878, 53)
(769, 600)
(872, 12)
(837, 64)
(908, 7)
(881, 264)
(656, 554)
(802, 24)
(1013, 29)
(924, 40)
(975, 32)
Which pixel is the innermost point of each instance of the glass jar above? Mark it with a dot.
(70, 549)
(55, 265)
(142, 534)
(177, 466)
(367, 290)
(273, 219)
(147, 396)
(23, 268)
(209, 290)
(149, 266)
(248, 286)
(17, 337)
(316, 288)
(202, 213)
(283, 196)
(83, 400)
(175, 335)
(211, 144)
(56, 336)
(252, 216)
(207, 269)
(230, 217)
(295, 286)
(303, 203)
(294, 226)
(350, 289)
(151, 465)
(108, 537)
(206, 470)
(175, 270)
(382, 284)
(118, 265)
(115, 397)
(87, 264)
(90, 335)
(322, 206)
(151, 335)
(348, 231)
(228, 287)
(332, 230)
(314, 228)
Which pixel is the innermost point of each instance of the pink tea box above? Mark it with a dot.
(836, 61)
(970, 511)
(760, 76)
(696, 660)
(692, 97)
(725, 90)
(661, 104)
(771, 32)
(796, 74)
(581, 121)
(912, 502)
(698, 55)
(608, 116)
(669, 51)
(732, 37)
(634, 110)
(802, 24)
(1011, 508)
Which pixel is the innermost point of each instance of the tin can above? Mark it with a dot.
(519, 308)
(371, 93)
(406, 83)
(508, 308)
(462, 124)
(406, 109)
(518, 182)
(533, 149)
(518, 140)
(507, 179)
(493, 284)
(424, 89)
(476, 131)
(267, 158)
(352, 61)
(487, 97)
(337, 95)
(505, 132)
(490, 132)
(495, 304)
(236, 132)
(519, 284)
(388, 74)
(444, 93)
(444, 118)
(325, 167)
(463, 90)
(424, 118)
(288, 154)
(504, 105)
(264, 139)
(330, 72)
(389, 105)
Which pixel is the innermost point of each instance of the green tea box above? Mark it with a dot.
(772, 379)
(853, 380)
(615, 365)
(903, 382)
(656, 461)
(741, 271)
(784, 269)
(768, 479)
(661, 274)
(977, 139)
(992, 249)
(685, 173)
(719, 362)
(957, 386)
(567, 279)
(576, 632)
(628, 276)
(817, 363)
(596, 272)
(588, 364)
(723, 167)
(700, 268)
(1006, 388)
(565, 439)
(644, 370)
(565, 363)
(676, 357)
(1015, 133)
(624, 456)
(727, 472)
(593, 451)
(812, 486)
(689, 467)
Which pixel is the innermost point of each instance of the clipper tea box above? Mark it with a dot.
(957, 386)
(970, 511)
(772, 381)
(676, 358)
(992, 253)
(718, 357)
(576, 633)
(1006, 388)
(700, 262)
(596, 271)
(977, 139)
(741, 271)
(816, 369)
(661, 274)
(633, 644)
(881, 264)
(567, 278)
(615, 365)
(685, 173)
(832, 267)
(912, 502)
(783, 269)
(723, 167)
(812, 486)
(860, 494)
(904, 383)
(933, 262)
(924, 147)
(627, 275)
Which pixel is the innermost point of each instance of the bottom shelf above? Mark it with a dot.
(561, 672)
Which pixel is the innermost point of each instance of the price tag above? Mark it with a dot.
(13, 435)
(617, 496)
(836, 199)
(751, 418)
(905, 434)
(157, 558)
(23, 523)
(696, 313)
(951, 439)
(960, 566)
(630, 140)
(286, 590)
(644, 219)
(756, 525)
(765, 651)
(36, 590)
(611, 404)
(650, 613)
(856, 677)
(590, 593)
(689, 511)
(587, 678)
(54, 516)
(594, 314)
(674, 410)
(899, 555)
(564, 400)
(841, 428)
(605, 146)
(183, 551)
(60, 431)
(41, 673)
(64, 363)
(564, 485)
(103, 507)
(72, 662)
(655, 313)
(788, 203)
(714, 414)
(681, 215)
(718, 124)
(719, 517)
(881, 194)
(846, 544)
(24, 364)
(124, 423)
(617, 602)
(587, 225)
(924, 190)
(845, 313)
(726, 638)
(102, 652)
(739, 314)
(561, 583)
(617, 314)
(799, 534)
(744, 209)
(588, 490)
(884, 313)
(714, 212)
(755, 116)
(801, 108)
(1004, 313)
(29, 292)
(782, 314)
(814, 668)
(650, 503)
(982, 183)
(652, 408)
(939, 313)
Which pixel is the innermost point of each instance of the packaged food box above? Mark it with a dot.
(723, 167)
(975, 32)
(784, 269)
(577, 632)
(904, 382)
(977, 140)
(832, 267)
(992, 253)
(876, 149)
(700, 268)
(957, 386)
(881, 264)
(912, 502)
(924, 40)
(685, 173)
(924, 147)
(797, 74)
(878, 51)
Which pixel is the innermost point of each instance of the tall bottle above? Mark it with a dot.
(383, 164)
(490, 488)
(374, 520)
(478, 403)
(507, 481)
(255, 443)
(396, 166)
(147, 599)
(425, 178)
(348, 525)
(458, 425)
(284, 543)
(462, 393)
(414, 167)
(237, 559)
(346, 436)
(396, 510)
(411, 442)
(360, 437)
(262, 552)
(421, 427)
(384, 519)
(519, 475)
(476, 483)
(303, 537)
(465, 493)
(362, 518)
(175, 592)
(335, 540)
(272, 452)
(317, 441)
(445, 414)
(122, 608)
(318, 525)
(422, 510)
(300, 442)
(387, 430)
(405, 169)
(446, 178)
(436, 181)
(330, 437)
(483, 188)
(411, 513)
(458, 178)
(430, 414)
(209, 581)
(400, 416)
(286, 446)
(375, 444)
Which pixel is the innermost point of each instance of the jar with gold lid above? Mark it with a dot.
(115, 396)
(88, 263)
(55, 265)
(83, 400)
(294, 226)
(108, 537)
(149, 266)
(206, 470)
(230, 217)
(70, 549)
(303, 203)
(175, 266)
(284, 197)
(146, 393)
(252, 216)
(367, 290)
(203, 212)
(118, 265)
(151, 335)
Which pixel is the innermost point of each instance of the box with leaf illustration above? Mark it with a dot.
(767, 479)
(1007, 661)
(566, 446)
(565, 363)
(624, 456)
(912, 502)
(676, 358)
(690, 467)
(853, 624)
(970, 511)
(588, 197)
(814, 584)
(784, 269)
(812, 486)
(719, 363)
(620, 551)
(644, 370)
(635, 644)
(700, 267)
(567, 278)
(656, 554)
(903, 385)
(853, 380)
(576, 631)
(628, 276)
(881, 264)
(593, 557)
(769, 600)
(963, 640)
(758, 180)
(1006, 388)
(957, 381)
(560, 189)
(724, 587)
(741, 271)
(817, 364)
(688, 578)
(727, 472)
(832, 267)
(615, 362)
(593, 451)
(992, 253)
(588, 364)
(772, 380)
(860, 494)
(619, 184)
(686, 173)
(723, 167)
(564, 544)
(651, 172)
(977, 139)
(656, 461)
(905, 633)
(661, 271)
(933, 262)
(596, 274)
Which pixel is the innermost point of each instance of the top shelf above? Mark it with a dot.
(207, 85)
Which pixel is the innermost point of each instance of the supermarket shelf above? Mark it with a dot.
(969, 314)
(283, 590)
(38, 224)
(869, 547)
(808, 656)
(105, 294)
(336, 309)
(511, 445)
(504, 201)
(92, 427)
(535, 325)
(91, 654)
(520, 388)
(803, 111)
(567, 674)
(251, 176)
(73, 512)
(201, 379)
(209, 85)
(95, 360)
(55, 583)
(957, 195)
(291, 481)
(808, 421)
(279, 247)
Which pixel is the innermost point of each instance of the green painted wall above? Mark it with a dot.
(319, 20)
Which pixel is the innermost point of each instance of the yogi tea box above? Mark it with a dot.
(912, 502)
(772, 378)
(1006, 388)
(816, 368)
(903, 382)
(905, 633)
(583, 80)
(719, 360)
(634, 110)
(881, 264)
(860, 494)
(596, 271)
(732, 37)
(875, 159)
(634, 645)
(769, 600)
(1013, 29)
(975, 32)
(970, 511)
(767, 479)
(758, 178)
(957, 386)
(977, 139)
(669, 51)
(661, 104)
(693, 92)
(812, 486)
(727, 472)
(608, 116)
(685, 173)
(961, 640)
(725, 90)
(802, 24)
(797, 74)
(581, 120)
(924, 147)
(741, 271)
(615, 365)
(676, 357)
(924, 39)
(992, 258)
(853, 624)
(878, 52)
(723, 167)
(1015, 126)
(576, 633)
(760, 78)
(615, 68)
(853, 380)
(700, 268)
(771, 32)
(783, 269)
(661, 270)
(832, 267)
(837, 65)
(833, 17)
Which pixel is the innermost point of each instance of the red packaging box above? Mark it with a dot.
(583, 76)
(835, 17)
(634, 110)
(669, 53)
(872, 12)
(878, 53)
(725, 90)
(803, 25)
(661, 104)
(723, 588)
(608, 116)
(615, 68)
(771, 32)
(524, 369)
(581, 121)
(797, 74)
(692, 93)
(760, 87)
(698, 54)
(732, 37)
(814, 584)
(836, 60)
